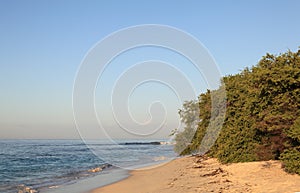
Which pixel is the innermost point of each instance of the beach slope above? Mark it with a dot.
(201, 174)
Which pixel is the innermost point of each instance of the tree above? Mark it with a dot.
(189, 115)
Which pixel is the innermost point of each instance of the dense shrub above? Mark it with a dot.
(262, 114)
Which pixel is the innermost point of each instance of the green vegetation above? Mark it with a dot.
(189, 115)
(262, 120)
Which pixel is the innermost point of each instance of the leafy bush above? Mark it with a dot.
(262, 119)
(291, 160)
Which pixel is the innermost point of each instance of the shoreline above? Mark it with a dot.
(88, 184)
(201, 174)
(104, 178)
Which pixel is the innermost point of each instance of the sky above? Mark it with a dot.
(43, 43)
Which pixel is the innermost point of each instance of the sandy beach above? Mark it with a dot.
(201, 174)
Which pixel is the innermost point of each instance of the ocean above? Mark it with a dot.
(51, 165)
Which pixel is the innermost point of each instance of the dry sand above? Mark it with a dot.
(200, 174)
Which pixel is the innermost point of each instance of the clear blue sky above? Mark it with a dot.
(42, 44)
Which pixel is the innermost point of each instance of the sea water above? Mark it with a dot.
(43, 165)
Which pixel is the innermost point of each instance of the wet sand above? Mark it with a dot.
(201, 174)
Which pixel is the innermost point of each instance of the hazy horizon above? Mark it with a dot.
(44, 42)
